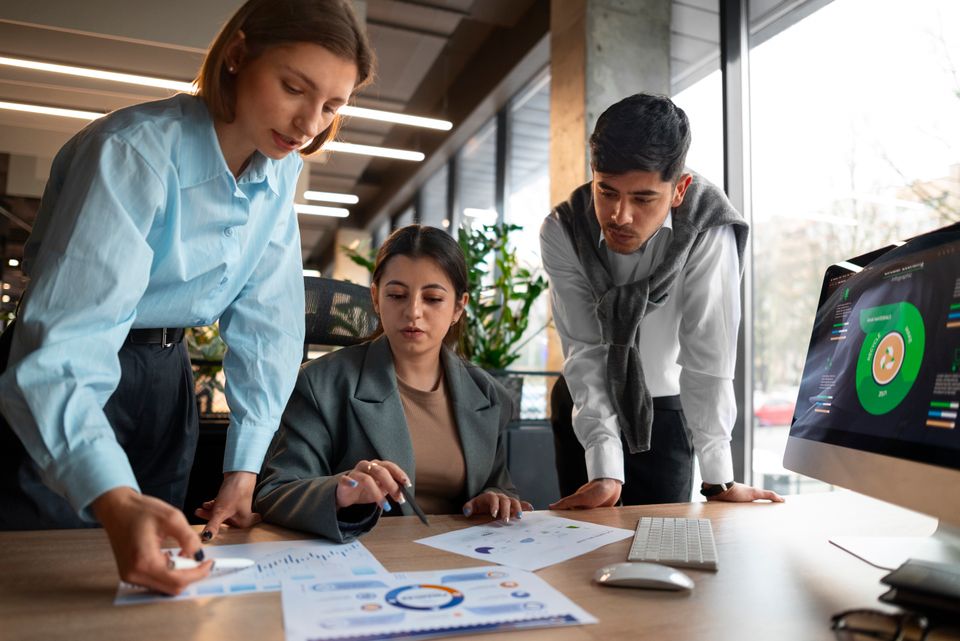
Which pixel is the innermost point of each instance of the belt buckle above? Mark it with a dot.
(163, 338)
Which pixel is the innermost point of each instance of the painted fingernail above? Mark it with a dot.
(467, 511)
(352, 482)
(386, 506)
(494, 513)
(198, 556)
(407, 484)
(520, 514)
(206, 535)
(401, 500)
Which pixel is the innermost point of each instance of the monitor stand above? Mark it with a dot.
(890, 552)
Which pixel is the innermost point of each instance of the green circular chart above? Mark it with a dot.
(890, 356)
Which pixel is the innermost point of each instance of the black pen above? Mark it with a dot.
(416, 508)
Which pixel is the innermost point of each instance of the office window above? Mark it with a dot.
(476, 176)
(433, 200)
(380, 233)
(405, 217)
(527, 203)
(855, 143)
(703, 104)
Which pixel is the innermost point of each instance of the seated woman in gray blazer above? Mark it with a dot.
(400, 408)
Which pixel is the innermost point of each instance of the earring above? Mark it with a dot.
(232, 69)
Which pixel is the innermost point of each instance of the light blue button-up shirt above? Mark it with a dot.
(143, 225)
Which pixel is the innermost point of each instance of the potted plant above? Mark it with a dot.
(206, 350)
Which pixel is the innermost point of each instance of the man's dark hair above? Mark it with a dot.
(641, 133)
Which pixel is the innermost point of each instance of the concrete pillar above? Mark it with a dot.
(601, 51)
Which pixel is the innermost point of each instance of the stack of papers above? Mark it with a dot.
(332, 591)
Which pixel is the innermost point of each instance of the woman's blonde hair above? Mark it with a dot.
(269, 23)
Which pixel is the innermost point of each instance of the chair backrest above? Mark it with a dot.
(338, 312)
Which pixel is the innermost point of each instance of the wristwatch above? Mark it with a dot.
(709, 490)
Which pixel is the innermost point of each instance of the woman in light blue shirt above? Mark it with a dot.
(161, 216)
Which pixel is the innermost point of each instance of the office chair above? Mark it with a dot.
(339, 313)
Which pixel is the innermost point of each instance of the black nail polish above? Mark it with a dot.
(198, 556)
(206, 535)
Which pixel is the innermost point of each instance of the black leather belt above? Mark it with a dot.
(165, 336)
(671, 403)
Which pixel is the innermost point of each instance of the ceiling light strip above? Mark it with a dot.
(331, 197)
(400, 119)
(369, 150)
(317, 210)
(86, 72)
(51, 111)
(344, 147)
(189, 87)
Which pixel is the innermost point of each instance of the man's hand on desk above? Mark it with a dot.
(596, 493)
(136, 525)
(741, 493)
(233, 505)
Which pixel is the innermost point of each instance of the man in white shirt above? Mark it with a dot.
(644, 265)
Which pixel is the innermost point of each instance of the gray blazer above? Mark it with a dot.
(345, 408)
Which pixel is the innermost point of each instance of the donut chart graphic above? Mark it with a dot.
(890, 356)
(424, 596)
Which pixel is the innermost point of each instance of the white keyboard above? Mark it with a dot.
(682, 543)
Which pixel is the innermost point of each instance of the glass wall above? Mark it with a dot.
(527, 203)
(433, 200)
(476, 176)
(855, 118)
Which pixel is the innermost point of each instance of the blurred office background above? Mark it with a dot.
(834, 126)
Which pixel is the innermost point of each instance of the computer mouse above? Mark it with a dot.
(652, 576)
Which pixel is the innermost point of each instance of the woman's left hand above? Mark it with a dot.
(233, 505)
(496, 505)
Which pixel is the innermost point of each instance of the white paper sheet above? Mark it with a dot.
(276, 560)
(424, 604)
(533, 542)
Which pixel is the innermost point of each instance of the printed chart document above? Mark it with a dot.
(416, 605)
(533, 542)
(275, 561)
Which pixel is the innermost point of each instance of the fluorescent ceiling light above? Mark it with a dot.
(86, 72)
(369, 150)
(317, 210)
(51, 111)
(189, 87)
(400, 119)
(345, 147)
(331, 197)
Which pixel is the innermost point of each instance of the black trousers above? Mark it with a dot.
(663, 474)
(153, 413)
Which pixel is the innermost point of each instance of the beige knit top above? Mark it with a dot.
(441, 472)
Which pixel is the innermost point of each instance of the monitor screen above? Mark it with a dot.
(878, 409)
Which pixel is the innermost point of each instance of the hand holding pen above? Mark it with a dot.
(373, 482)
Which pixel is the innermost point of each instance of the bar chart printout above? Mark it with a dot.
(275, 561)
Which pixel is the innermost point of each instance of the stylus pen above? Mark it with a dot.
(416, 508)
(183, 563)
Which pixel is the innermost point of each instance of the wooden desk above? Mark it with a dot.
(779, 579)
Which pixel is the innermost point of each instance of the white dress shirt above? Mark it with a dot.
(688, 346)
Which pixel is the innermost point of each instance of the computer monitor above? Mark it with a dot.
(878, 410)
